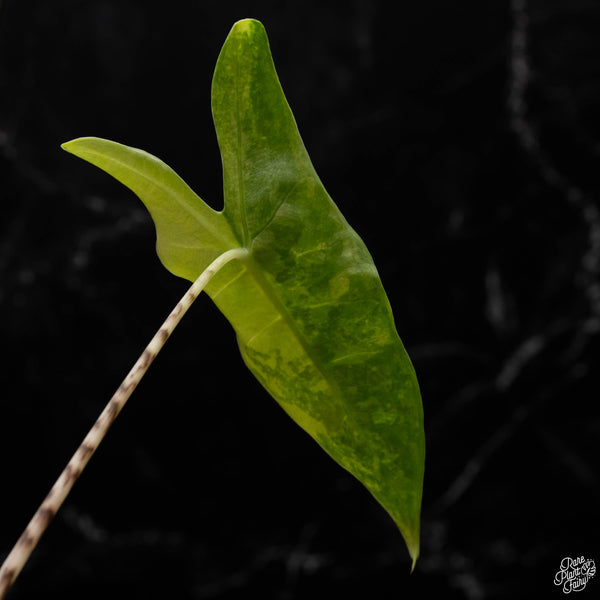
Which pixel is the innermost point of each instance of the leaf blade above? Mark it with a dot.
(190, 236)
(312, 319)
(325, 306)
(260, 166)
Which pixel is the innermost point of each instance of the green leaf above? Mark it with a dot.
(312, 319)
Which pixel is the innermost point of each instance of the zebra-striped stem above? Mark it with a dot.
(30, 537)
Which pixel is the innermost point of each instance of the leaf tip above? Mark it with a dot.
(72, 144)
(414, 562)
(247, 26)
(413, 551)
(411, 539)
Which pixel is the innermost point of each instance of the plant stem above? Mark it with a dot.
(37, 526)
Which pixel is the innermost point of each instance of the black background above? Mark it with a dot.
(462, 141)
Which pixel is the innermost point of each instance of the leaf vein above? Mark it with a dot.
(230, 282)
(276, 210)
(258, 333)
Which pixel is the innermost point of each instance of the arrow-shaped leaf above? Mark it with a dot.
(311, 316)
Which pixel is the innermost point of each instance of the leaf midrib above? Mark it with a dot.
(240, 162)
(280, 308)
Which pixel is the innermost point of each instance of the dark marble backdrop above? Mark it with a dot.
(462, 141)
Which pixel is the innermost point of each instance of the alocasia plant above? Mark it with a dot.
(295, 281)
